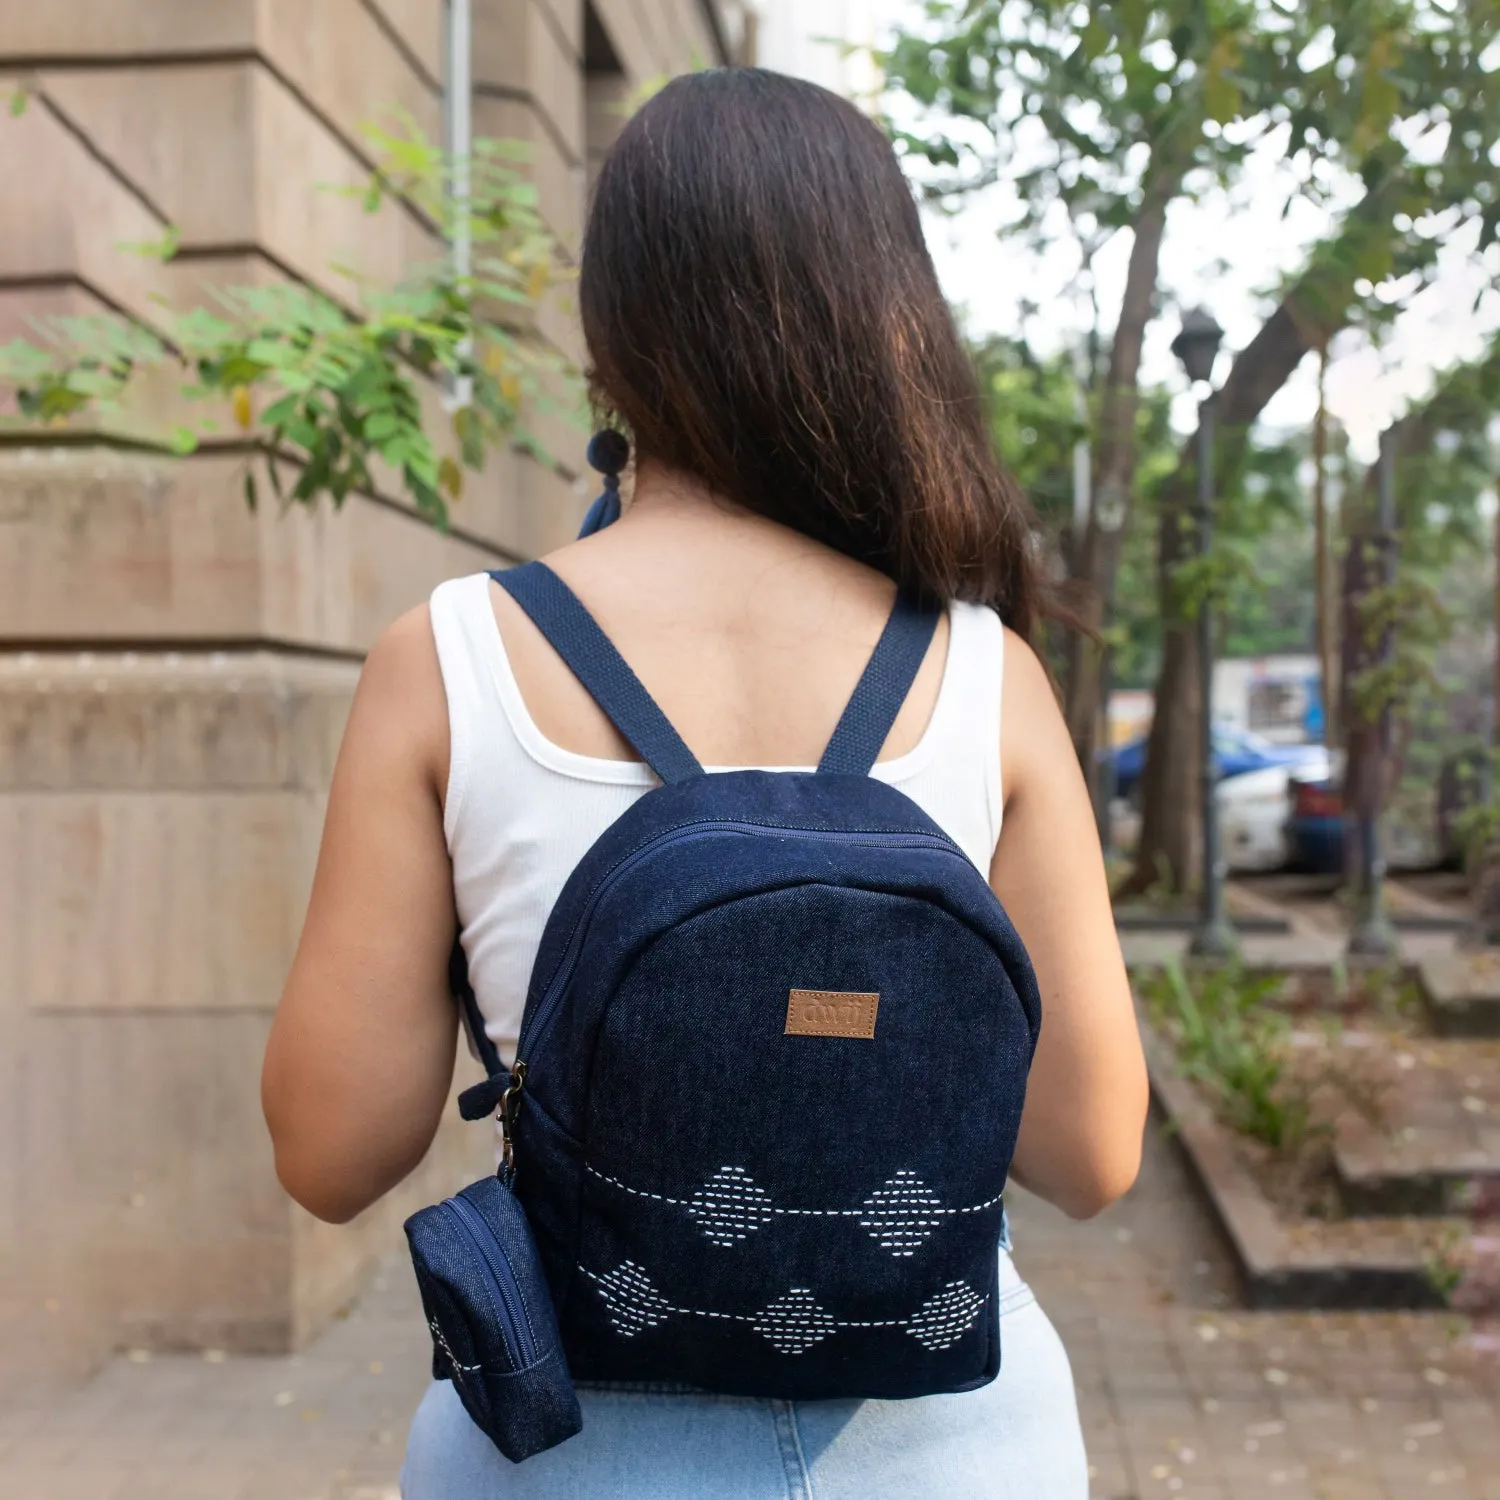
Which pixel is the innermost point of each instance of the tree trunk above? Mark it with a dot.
(1495, 666)
(1364, 758)
(1308, 316)
(1098, 555)
(1171, 786)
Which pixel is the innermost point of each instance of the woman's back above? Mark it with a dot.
(750, 636)
(762, 316)
(538, 773)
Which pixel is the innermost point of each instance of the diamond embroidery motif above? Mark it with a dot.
(634, 1304)
(794, 1322)
(731, 1206)
(944, 1319)
(901, 1215)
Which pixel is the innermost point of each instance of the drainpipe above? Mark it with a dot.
(458, 129)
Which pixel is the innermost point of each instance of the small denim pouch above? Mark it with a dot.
(494, 1332)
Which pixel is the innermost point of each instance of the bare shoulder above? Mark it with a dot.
(406, 646)
(1025, 675)
(404, 661)
(400, 709)
(1034, 740)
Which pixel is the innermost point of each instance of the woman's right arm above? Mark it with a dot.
(1080, 1140)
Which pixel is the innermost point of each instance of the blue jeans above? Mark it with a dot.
(1018, 1438)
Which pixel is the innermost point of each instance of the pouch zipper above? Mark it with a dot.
(535, 1026)
(515, 1325)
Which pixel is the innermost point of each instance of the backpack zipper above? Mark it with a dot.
(534, 1028)
(515, 1325)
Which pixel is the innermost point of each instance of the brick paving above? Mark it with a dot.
(1183, 1394)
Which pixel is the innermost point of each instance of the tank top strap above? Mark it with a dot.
(964, 735)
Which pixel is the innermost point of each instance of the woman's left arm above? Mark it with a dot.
(360, 1058)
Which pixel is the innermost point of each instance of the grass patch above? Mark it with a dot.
(1236, 1043)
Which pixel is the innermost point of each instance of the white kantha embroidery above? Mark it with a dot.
(900, 1215)
(791, 1324)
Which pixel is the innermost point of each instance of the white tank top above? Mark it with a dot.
(520, 811)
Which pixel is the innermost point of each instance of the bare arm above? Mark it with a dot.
(1080, 1141)
(361, 1053)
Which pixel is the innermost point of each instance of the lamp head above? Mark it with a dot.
(1197, 345)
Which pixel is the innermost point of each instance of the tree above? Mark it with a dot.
(1112, 111)
(1445, 464)
(1412, 125)
(1034, 422)
(334, 390)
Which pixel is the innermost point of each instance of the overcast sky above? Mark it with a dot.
(1246, 236)
(1227, 254)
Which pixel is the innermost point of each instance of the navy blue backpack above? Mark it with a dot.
(767, 1090)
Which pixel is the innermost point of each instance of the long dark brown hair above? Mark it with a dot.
(762, 313)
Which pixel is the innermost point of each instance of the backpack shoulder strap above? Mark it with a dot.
(575, 635)
(463, 992)
(479, 1099)
(887, 679)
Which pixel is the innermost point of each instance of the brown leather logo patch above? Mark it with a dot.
(831, 1013)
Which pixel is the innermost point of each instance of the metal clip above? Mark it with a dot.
(509, 1108)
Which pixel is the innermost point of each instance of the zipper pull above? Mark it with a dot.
(510, 1107)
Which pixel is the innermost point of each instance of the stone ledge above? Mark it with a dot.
(1412, 911)
(1247, 913)
(1301, 1264)
(258, 720)
(1462, 993)
(1150, 919)
(98, 544)
(1437, 1148)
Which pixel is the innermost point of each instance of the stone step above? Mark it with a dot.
(1246, 909)
(1436, 1148)
(1372, 1262)
(1353, 1263)
(1461, 991)
(1417, 911)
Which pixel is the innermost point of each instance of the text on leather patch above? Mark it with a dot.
(831, 1013)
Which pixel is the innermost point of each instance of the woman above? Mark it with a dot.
(763, 318)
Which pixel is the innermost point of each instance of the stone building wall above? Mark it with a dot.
(175, 671)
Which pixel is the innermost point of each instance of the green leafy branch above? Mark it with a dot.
(1409, 615)
(334, 390)
(1478, 826)
(1204, 581)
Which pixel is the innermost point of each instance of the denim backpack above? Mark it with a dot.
(767, 1088)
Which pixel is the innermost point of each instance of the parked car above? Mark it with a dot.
(1253, 816)
(1315, 827)
(1253, 810)
(1238, 752)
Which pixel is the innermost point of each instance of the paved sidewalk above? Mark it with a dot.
(1185, 1394)
(1309, 945)
(1182, 1395)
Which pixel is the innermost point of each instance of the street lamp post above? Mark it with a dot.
(1109, 517)
(1197, 346)
(1083, 515)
